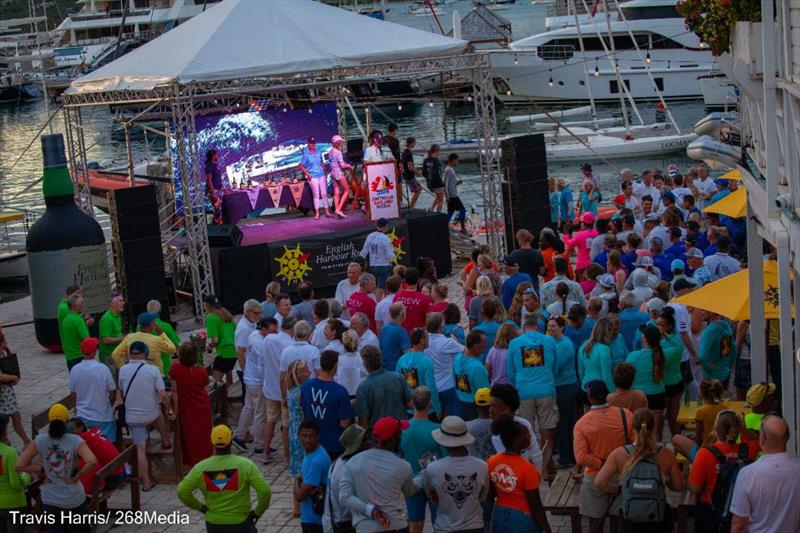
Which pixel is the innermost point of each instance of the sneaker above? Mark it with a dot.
(273, 450)
(258, 451)
(240, 444)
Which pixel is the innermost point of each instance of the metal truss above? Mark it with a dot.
(76, 159)
(194, 207)
(184, 101)
(489, 156)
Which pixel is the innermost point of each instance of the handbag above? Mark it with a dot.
(120, 409)
(9, 364)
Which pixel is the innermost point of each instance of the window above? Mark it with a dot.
(613, 86)
(659, 83)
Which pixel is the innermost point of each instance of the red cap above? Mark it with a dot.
(89, 345)
(619, 199)
(387, 427)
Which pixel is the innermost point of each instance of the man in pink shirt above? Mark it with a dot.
(582, 243)
(363, 301)
(417, 303)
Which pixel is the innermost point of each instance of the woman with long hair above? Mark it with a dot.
(334, 329)
(59, 451)
(623, 460)
(563, 304)
(515, 309)
(193, 407)
(514, 482)
(566, 390)
(594, 357)
(427, 271)
(484, 267)
(703, 474)
(452, 321)
(220, 333)
(271, 292)
(498, 353)
(672, 346)
(484, 290)
(350, 371)
(712, 394)
(617, 269)
(297, 373)
(649, 364)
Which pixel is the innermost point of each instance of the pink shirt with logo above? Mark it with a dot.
(582, 243)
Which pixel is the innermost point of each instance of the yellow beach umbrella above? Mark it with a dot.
(730, 296)
(734, 205)
(733, 174)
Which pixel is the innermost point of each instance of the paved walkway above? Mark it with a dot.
(44, 381)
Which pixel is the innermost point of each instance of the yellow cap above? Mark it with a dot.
(58, 412)
(758, 392)
(483, 397)
(221, 436)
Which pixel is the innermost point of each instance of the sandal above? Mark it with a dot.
(146, 489)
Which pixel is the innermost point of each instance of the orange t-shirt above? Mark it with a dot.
(629, 399)
(512, 476)
(704, 468)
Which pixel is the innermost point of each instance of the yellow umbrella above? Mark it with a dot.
(733, 174)
(734, 205)
(730, 296)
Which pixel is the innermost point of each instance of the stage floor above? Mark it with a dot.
(266, 230)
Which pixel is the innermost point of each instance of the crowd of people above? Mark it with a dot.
(393, 402)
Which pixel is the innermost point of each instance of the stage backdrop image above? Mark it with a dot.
(259, 144)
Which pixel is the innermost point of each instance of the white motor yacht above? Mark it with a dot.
(551, 67)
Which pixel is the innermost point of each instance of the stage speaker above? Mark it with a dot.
(224, 235)
(526, 198)
(429, 234)
(137, 250)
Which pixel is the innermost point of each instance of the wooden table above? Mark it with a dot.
(687, 412)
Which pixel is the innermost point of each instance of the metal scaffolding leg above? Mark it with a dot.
(76, 158)
(194, 210)
(341, 111)
(489, 155)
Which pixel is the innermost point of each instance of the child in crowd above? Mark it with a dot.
(624, 396)
(496, 358)
(711, 393)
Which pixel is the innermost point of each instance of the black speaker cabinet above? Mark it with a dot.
(224, 235)
(526, 198)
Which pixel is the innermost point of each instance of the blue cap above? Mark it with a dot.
(139, 347)
(145, 319)
(677, 264)
(669, 196)
(724, 183)
(382, 222)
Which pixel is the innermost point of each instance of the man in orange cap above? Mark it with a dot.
(94, 389)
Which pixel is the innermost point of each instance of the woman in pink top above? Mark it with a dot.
(341, 190)
(582, 243)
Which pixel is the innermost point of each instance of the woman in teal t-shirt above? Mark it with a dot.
(672, 346)
(649, 365)
(594, 356)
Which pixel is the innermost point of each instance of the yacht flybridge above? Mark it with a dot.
(651, 52)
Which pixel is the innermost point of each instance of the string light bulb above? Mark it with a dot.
(399, 107)
(469, 98)
(430, 102)
(550, 82)
(647, 58)
(310, 111)
(516, 61)
(508, 92)
(285, 110)
(596, 71)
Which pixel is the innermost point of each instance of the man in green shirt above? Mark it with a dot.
(111, 329)
(63, 305)
(12, 483)
(224, 480)
(74, 328)
(154, 307)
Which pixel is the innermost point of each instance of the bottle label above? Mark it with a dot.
(51, 272)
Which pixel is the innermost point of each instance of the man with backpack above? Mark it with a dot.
(714, 473)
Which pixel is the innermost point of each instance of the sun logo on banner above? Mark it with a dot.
(294, 264)
(397, 245)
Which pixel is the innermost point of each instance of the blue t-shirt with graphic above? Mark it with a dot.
(328, 403)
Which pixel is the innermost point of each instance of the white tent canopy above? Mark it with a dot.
(259, 38)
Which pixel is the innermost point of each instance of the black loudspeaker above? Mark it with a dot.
(224, 235)
(137, 250)
(429, 234)
(526, 198)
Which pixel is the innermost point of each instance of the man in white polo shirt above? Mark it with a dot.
(93, 387)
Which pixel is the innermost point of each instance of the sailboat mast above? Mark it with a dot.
(615, 66)
(583, 54)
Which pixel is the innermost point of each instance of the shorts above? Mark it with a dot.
(670, 391)
(656, 402)
(108, 429)
(381, 273)
(416, 507)
(438, 190)
(594, 502)
(541, 410)
(743, 377)
(340, 177)
(413, 184)
(223, 364)
(277, 412)
(454, 203)
(139, 432)
(508, 520)
(686, 372)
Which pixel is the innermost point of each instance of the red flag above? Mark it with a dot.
(594, 8)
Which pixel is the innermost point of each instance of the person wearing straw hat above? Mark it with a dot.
(225, 480)
(459, 482)
(337, 519)
(59, 451)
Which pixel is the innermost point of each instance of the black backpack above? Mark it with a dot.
(644, 499)
(727, 471)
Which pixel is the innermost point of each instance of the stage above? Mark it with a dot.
(291, 248)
